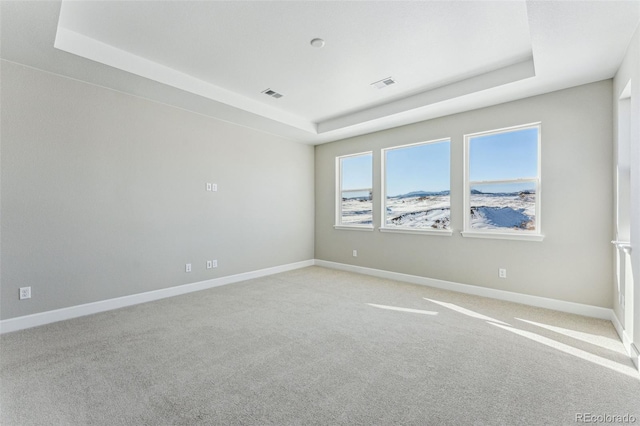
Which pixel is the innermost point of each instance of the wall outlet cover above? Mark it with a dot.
(25, 293)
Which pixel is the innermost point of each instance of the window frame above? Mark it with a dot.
(383, 204)
(502, 233)
(338, 194)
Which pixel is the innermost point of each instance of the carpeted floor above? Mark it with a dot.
(317, 346)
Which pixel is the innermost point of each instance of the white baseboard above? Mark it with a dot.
(622, 333)
(525, 299)
(34, 320)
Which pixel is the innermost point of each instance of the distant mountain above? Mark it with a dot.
(359, 198)
(504, 194)
(421, 194)
(473, 192)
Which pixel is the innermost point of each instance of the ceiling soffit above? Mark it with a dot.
(510, 63)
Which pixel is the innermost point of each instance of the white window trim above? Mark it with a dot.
(383, 183)
(338, 198)
(418, 231)
(353, 227)
(503, 234)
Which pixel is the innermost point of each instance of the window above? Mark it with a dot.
(502, 183)
(354, 191)
(416, 182)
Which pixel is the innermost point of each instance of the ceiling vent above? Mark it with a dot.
(383, 83)
(272, 93)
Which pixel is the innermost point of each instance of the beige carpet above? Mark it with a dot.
(317, 346)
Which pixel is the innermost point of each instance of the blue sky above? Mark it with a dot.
(418, 168)
(504, 156)
(357, 174)
(427, 167)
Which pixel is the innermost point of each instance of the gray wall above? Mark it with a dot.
(573, 263)
(630, 70)
(103, 194)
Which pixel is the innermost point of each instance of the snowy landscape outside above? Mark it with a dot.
(357, 208)
(514, 210)
(507, 211)
(503, 170)
(356, 193)
(503, 182)
(419, 210)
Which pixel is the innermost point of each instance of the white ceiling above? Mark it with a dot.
(216, 58)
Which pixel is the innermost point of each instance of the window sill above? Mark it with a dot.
(440, 232)
(353, 228)
(503, 236)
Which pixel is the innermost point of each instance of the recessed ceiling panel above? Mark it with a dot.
(239, 48)
(217, 58)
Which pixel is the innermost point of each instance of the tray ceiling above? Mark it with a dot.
(219, 58)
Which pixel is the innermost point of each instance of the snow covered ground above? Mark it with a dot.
(357, 211)
(516, 211)
(513, 211)
(418, 212)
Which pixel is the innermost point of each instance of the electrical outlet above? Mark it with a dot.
(355, 253)
(214, 187)
(214, 263)
(187, 267)
(25, 293)
(208, 186)
(209, 264)
(502, 273)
